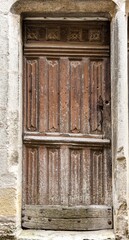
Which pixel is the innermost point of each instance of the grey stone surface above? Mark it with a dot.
(56, 235)
(11, 112)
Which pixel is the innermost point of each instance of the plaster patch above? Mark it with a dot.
(122, 208)
(7, 202)
(14, 157)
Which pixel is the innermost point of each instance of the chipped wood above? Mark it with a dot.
(67, 126)
(66, 218)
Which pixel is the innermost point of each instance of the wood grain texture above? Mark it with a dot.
(43, 94)
(67, 163)
(60, 102)
(71, 51)
(67, 176)
(64, 94)
(31, 169)
(73, 140)
(97, 173)
(88, 218)
(67, 32)
(68, 224)
(75, 96)
(96, 96)
(64, 176)
(88, 211)
(53, 176)
(75, 183)
(53, 95)
(32, 94)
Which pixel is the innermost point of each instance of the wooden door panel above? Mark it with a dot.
(67, 175)
(67, 172)
(31, 100)
(97, 93)
(71, 96)
(70, 181)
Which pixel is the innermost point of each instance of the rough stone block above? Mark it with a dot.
(4, 26)
(65, 235)
(3, 160)
(8, 202)
(3, 139)
(13, 51)
(3, 62)
(3, 94)
(3, 46)
(8, 180)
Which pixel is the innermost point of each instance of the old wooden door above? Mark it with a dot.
(67, 170)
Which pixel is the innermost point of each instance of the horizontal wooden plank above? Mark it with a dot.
(65, 19)
(68, 224)
(66, 47)
(67, 140)
(59, 218)
(92, 211)
(69, 51)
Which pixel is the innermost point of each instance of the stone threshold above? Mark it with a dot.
(66, 235)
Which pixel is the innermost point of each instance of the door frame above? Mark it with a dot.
(119, 118)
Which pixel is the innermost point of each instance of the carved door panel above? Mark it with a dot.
(67, 126)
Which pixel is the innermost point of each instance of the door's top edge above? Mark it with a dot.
(66, 18)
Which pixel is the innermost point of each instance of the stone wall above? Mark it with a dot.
(11, 103)
(10, 123)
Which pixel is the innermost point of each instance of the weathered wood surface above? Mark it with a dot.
(66, 218)
(67, 124)
(72, 51)
(68, 224)
(64, 95)
(94, 211)
(79, 32)
(67, 175)
(67, 140)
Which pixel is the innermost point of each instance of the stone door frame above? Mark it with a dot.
(119, 96)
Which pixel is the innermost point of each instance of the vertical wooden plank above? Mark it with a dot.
(64, 175)
(24, 168)
(53, 78)
(25, 94)
(107, 99)
(32, 95)
(86, 166)
(75, 183)
(93, 97)
(108, 177)
(64, 95)
(53, 176)
(43, 94)
(96, 96)
(43, 176)
(32, 175)
(28, 94)
(85, 116)
(75, 96)
(97, 176)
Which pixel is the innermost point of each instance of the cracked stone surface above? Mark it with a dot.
(67, 235)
